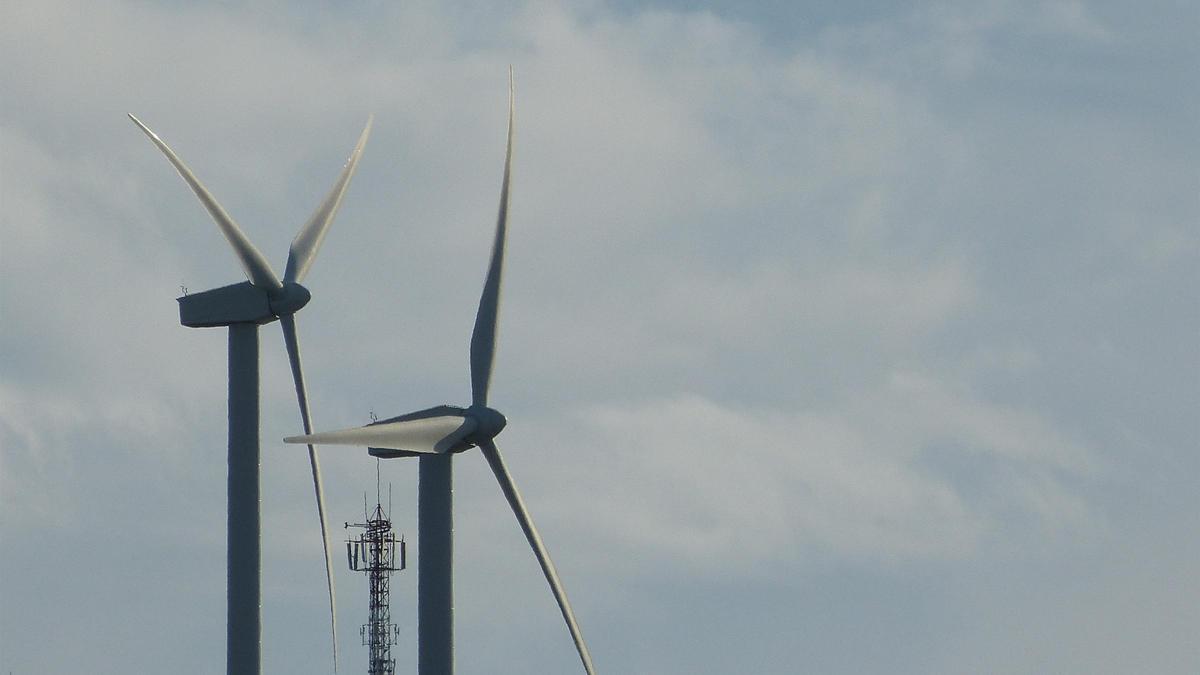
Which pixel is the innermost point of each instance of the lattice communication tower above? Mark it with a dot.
(378, 554)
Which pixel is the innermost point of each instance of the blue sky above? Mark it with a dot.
(836, 337)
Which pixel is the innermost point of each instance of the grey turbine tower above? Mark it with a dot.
(243, 308)
(434, 435)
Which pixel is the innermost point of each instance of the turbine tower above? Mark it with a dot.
(243, 308)
(435, 435)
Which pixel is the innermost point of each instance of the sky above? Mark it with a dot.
(837, 337)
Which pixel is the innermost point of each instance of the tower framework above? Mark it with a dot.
(378, 554)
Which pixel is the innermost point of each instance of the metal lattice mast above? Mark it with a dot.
(375, 553)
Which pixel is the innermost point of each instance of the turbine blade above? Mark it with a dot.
(483, 338)
(288, 322)
(308, 240)
(258, 270)
(429, 435)
(539, 549)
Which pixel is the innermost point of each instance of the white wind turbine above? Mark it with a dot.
(243, 308)
(434, 435)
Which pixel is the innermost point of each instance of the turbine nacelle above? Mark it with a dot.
(489, 423)
(290, 299)
(241, 303)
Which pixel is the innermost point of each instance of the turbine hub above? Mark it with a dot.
(489, 420)
(290, 299)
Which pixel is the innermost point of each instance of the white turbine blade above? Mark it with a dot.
(258, 270)
(431, 435)
(539, 548)
(308, 240)
(483, 338)
(292, 342)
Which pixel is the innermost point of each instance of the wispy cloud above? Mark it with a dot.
(880, 477)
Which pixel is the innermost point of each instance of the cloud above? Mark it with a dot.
(689, 479)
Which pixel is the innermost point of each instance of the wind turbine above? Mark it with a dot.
(434, 435)
(243, 308)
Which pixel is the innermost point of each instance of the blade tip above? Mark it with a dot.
(138, 122)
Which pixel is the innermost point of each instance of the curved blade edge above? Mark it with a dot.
(291, 340)
(430, 435)
(492, 454)
(308, 241)
(483, 337)
(258, 270)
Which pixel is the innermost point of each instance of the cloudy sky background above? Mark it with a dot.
(836, 338)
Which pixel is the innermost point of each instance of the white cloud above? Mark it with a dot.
(714, 487)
